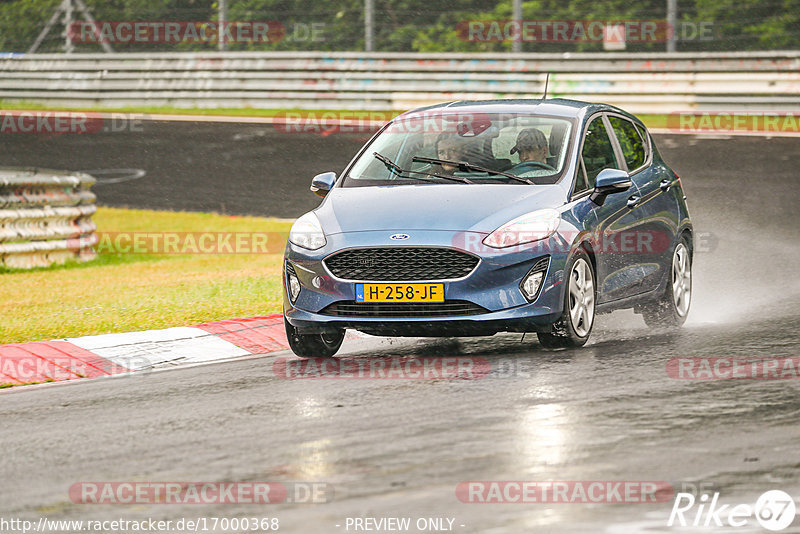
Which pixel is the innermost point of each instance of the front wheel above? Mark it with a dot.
(575, 325)
(313, 345)
(672, 308)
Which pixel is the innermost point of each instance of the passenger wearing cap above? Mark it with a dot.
(533, 150)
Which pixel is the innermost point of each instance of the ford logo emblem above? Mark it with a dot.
(399, 237)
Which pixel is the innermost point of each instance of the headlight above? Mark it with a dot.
(306, 232)
(532, 226)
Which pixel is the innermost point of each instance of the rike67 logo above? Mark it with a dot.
(774, 510)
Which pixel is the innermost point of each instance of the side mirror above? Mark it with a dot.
(322, 183)
(608, 182)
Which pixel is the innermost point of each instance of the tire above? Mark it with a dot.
(672, 308)
(313, 345)
(575, 325)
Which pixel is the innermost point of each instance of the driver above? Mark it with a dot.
(533, 152)
(532, 147)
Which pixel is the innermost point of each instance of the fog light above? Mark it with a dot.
(292, 282)
(532, 283)
(294, 287)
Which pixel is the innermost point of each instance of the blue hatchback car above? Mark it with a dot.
(478, 217)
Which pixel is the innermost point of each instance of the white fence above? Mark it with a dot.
(641, 83)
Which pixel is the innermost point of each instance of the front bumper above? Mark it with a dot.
(494, 285)
(530, 318)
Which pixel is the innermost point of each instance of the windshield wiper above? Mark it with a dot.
(463, 165)
(392, 166)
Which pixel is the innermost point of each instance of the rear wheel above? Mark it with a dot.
(575, 325)
(672, 308)
(313, 345)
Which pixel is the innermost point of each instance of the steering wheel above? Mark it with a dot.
(526, 166)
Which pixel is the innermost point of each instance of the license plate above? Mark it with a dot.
(399, 292)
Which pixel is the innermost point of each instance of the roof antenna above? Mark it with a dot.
(546, 83)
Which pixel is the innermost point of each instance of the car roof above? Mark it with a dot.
(557, 107)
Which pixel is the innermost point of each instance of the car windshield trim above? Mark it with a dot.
(403, 174)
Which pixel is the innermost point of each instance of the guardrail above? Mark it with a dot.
(643, 83)
(45, 217)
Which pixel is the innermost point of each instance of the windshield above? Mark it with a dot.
(465, 148)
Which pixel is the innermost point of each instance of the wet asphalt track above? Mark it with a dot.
(400, 447)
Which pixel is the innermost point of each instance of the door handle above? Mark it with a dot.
(633, 201)
(665, 184)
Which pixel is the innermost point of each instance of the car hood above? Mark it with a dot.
(453, 207)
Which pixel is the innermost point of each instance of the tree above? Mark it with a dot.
(419, 25)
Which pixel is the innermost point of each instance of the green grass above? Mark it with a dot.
(161, 110)
(654, 120)
(651, 120)
(121, 292)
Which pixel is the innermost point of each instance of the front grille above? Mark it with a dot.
(401, 264)
(432, 309)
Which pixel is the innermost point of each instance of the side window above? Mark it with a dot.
(580, 180)
(630, 141)
(598, 153)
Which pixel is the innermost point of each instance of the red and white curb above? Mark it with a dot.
(113, 354)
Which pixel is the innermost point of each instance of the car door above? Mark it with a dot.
(650, 244)
(618, 274)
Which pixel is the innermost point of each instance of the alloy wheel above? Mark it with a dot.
(681, 280)
(581, 297)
